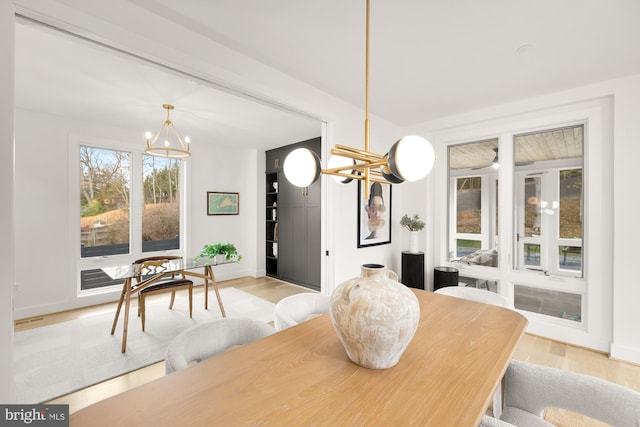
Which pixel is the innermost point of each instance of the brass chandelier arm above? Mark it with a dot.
(343, 150)
(362, 158)
(358, 177)
(358, 166)
(175, 131)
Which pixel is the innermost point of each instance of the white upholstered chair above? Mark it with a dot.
(475, 294)
(209, 339)
(298, 308)
(488, 421)
(530, 389)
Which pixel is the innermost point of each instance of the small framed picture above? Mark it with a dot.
(374, 215)
(223, 203)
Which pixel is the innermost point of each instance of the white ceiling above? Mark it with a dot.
(66, 76)
(429, 59)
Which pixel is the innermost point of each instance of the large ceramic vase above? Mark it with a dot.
(375, 317)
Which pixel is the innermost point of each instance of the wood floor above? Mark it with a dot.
(531, 349)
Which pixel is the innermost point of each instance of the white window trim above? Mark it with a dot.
(135, 237)
(595, 329)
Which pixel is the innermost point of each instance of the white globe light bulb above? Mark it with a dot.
(411, 158)
(301, 167)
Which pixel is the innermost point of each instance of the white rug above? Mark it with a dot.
(54, 360)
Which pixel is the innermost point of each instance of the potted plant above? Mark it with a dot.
(226, 250)
(413, 224)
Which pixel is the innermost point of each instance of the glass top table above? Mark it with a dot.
(157, 270)
(130, 271)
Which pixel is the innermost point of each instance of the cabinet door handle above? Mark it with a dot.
(276, 163)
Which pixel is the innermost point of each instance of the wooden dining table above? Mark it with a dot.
(302, 377)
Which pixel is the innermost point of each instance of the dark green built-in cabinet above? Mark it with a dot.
(292, 222)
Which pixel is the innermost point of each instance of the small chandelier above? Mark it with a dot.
(410, 158)
(173, 148)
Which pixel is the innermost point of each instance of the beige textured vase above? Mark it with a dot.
(375, 317)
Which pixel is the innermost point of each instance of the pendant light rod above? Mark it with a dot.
(409, 159)
(367, 176)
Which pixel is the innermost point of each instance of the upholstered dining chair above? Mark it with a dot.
(167, 284)
(298, 308)
(488, 421)
(205, 340)
(530, 389)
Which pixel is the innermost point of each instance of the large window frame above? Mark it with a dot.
(94, 263)
(595, 287)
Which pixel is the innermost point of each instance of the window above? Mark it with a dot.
(113, 231)
(554, 236)
(104, 201)
(161, 204)
(547, 212)
(474, 215)
(549, 200)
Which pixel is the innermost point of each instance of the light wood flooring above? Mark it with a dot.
(531, 349)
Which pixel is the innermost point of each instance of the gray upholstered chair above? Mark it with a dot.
(530, 389)
(209, 339)
(475, 294)
(298, 308)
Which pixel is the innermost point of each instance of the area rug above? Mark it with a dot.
(55, 360)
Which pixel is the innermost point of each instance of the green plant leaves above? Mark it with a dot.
(227, 249)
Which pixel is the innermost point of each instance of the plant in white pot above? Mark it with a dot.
(226, 250)
(413, 224)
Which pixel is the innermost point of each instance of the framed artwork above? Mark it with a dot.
(223, 203)
(374, 215)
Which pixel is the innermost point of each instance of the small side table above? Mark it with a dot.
(444, 276)
(413, 269)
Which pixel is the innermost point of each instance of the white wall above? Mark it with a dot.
(6, 191)
(624, 151)
(47, 217)
(626, 282)
(225, 169)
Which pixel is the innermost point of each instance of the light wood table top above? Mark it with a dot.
(301, 376)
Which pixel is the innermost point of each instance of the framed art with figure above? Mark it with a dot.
(374, 215)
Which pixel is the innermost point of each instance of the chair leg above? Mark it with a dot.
(141, 307)
(191, 302)
(173, 298)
